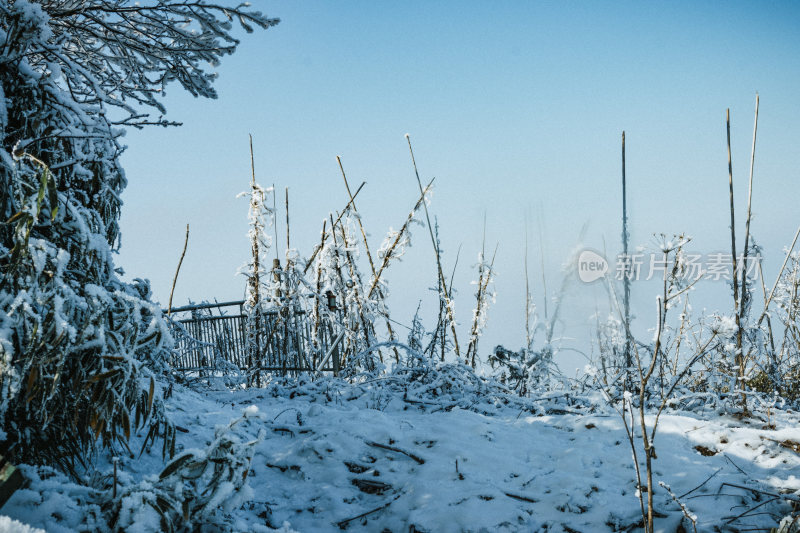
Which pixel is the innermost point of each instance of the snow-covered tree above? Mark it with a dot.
(80, 351)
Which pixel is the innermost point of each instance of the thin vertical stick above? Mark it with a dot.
(626, 282)
(319, 286)
(527, 293)
(354, 330)
(403, 229)
(736, 302)
(358, 219)
(743, 306)
(255, 285)
(287, 228)
(541, 260)
(252, 164)
(318, 248)
(450, 289)
(355, 277)
(483, 285)
(255, 279)
(275, 219)
(749, 213)
(733, 225)
(473, 341)
(389, 328)
(175, 279)
(442, 281)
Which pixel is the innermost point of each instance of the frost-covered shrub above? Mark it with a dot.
(191, 488)
(524, 371)
(81, 351)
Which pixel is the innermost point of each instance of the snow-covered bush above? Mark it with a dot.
(192, 488)
(81, 351)
(524, 371)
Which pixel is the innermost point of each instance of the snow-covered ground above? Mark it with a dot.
(383, 456)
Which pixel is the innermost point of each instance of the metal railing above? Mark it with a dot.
(217, 336)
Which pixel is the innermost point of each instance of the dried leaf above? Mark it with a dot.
(98, 428)
(34, 373)
(152, 392)
(176, 464)
(16, 216)
(104, 375)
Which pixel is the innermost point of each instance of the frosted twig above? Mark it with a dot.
(692, 518)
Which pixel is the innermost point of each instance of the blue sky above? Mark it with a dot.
(514, 107)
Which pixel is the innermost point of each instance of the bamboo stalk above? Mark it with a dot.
(389, 329)
(358, 219)
(733, 225)
(737, 304)
(346, 207)
(318, 286)
(626, 281)
(478, 295)
(403, 229)
(442, 282)
(275, 219)
(351, 347)
(743, 305)
(175, 279)
(255, 283)
(527, 293)
(355, 276)
(287, 228)
(483, 285)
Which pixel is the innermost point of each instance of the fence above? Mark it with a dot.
(281, 341)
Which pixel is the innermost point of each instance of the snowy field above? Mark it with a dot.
(448, 453)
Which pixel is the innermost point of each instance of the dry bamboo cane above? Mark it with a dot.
(318, 290)
(733, 226)
(481, 265)
(289, 264)
(392, 336)
(287, 229)
(255, 283)
(319, 247)
(275, 219)
(341, 281)
(743, 306)
(450, 289)
(527, 293)
(483, 285)
(541, 265)
(442, 281)
(626, 282)
(175, 279)
(356, 276)
(737, 304)
(390, 251)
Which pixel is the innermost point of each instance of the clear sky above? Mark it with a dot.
(515, 108)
